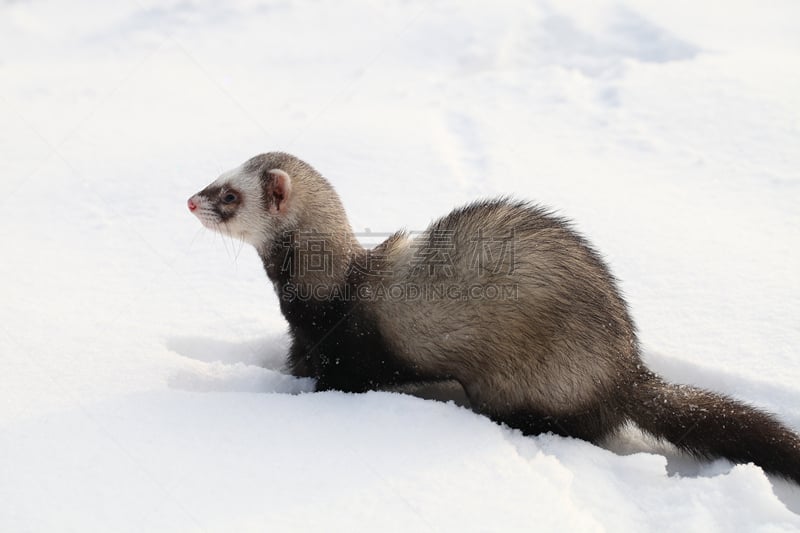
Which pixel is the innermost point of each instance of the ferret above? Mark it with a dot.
(501, 296)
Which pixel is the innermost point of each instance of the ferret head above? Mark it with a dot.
(252, 202)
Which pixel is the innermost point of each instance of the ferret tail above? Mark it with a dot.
(711, 425)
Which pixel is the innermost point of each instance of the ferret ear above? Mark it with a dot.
(279, 190)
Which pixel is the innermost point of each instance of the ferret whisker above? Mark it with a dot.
(221, 232)
(241, 247)
(194, 237)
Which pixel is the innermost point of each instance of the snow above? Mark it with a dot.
(141, 384)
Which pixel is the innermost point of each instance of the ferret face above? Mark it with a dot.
(245, 203)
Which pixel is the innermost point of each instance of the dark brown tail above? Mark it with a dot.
(707, 424)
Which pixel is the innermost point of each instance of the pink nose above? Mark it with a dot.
(192, 205)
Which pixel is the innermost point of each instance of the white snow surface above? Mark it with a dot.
(141, 380)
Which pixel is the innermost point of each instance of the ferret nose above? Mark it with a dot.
(192, 205)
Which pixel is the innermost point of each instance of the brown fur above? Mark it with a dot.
(557, 351)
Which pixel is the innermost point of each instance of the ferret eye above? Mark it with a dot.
(229, 198)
